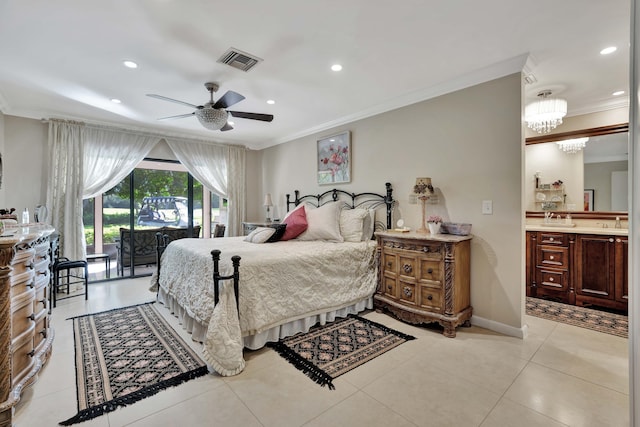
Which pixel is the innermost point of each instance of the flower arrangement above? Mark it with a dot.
(557, 183)
(434, 219)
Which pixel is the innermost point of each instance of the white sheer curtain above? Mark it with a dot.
(220, 168)
(109, 156)
(85, 162)
(64, 186)
(237, 189)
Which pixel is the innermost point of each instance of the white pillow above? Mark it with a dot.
(351, 224)
(369, 225)
(323, 223)
(260, 235)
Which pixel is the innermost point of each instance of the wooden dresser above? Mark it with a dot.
(26, 338)
(424, 278)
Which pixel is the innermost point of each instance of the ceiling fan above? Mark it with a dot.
(214, 115)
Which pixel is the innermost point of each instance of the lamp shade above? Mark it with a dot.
(423, 186)
(267, 200)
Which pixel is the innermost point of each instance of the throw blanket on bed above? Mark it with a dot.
(279, 282)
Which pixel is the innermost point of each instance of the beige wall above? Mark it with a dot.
(24, 163)
(4, 159)
(470, 143)
(599, 179)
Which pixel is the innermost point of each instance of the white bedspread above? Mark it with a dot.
(279, 282)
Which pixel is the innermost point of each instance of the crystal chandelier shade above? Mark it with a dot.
(572, 146)
(212, 118)
(545, 114)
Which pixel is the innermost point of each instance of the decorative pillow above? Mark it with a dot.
(260, 235)
(351, 224)
(369, 225)
(300, 206)
(324, 223)
(295, 223)
(280, 229)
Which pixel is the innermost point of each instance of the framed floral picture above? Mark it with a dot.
(334, 159)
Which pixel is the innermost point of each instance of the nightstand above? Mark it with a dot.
(425, 278)
(248, 227)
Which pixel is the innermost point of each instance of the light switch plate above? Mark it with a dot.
(487, 207)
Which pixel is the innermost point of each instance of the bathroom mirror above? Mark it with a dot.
(594, 179)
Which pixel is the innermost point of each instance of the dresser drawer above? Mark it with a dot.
(552, 256)
(431, 271)
(407, 266)
(389, 286)
(431, 299)
(407, 292)
(389, 264)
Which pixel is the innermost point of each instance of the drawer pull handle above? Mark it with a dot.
(618, 240)
(42, 273)
(429, 270)
(551, 257)
(611, 240)
(407, 292)
(43, 301)
(32, 316)
(407, 268)
(43, 333)
(389, 264)
(30, 284)
(389, 287)
(551, 279)
(430, 297)
(32, 353)
(551, 239)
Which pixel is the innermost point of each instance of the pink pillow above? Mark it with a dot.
(296, 224)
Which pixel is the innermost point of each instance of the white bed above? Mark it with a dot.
(284, 288)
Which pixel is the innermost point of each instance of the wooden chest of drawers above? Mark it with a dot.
(424, 278)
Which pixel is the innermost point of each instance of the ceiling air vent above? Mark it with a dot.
(239, 59)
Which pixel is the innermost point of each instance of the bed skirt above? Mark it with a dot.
(198, 331)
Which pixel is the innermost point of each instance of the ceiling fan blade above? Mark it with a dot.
(179, 116)
(164, 98)
(226, 127)
(228, 99)
(252, 116)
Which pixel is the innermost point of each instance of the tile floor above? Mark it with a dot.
(560, 375)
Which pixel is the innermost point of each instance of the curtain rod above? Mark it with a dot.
(142, 132)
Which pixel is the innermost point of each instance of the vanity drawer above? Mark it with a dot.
(552, 279)
(552, 256)
(551, 238)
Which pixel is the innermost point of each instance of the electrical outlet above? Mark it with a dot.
(487, 207)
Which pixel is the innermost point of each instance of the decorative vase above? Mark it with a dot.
(434, 228)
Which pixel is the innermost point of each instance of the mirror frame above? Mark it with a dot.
(602, 130)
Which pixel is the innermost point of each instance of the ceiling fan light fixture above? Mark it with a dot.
(545, 114)
(212, 118)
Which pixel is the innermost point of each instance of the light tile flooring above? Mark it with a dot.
(560, 375)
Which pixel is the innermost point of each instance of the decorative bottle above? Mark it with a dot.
(25, 216)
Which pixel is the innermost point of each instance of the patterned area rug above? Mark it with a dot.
(125, 355)
(601, 321)
(326, 352)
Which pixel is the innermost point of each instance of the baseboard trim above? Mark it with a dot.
(492, 325)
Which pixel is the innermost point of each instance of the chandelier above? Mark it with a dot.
(546, 113)
(572, 146)
(212, 118)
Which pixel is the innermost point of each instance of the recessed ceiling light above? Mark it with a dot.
(618, 93)
(271, 101)
(336, 67)
(115, 100)
(130, 64)
(608, 50)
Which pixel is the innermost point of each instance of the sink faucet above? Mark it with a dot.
(604, 224)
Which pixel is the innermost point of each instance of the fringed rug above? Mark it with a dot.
(326, 352)
(125, 355)
(601, 321)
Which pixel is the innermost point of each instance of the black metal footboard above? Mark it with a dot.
(215, 255)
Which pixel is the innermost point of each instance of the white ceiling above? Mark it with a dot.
(64, 58)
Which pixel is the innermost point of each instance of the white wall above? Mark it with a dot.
(3, 158)
(598, 178)
(470, 143)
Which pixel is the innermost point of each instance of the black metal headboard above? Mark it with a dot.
(359, 200)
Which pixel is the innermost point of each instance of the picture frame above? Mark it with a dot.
(588, 200)
(334, 159)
